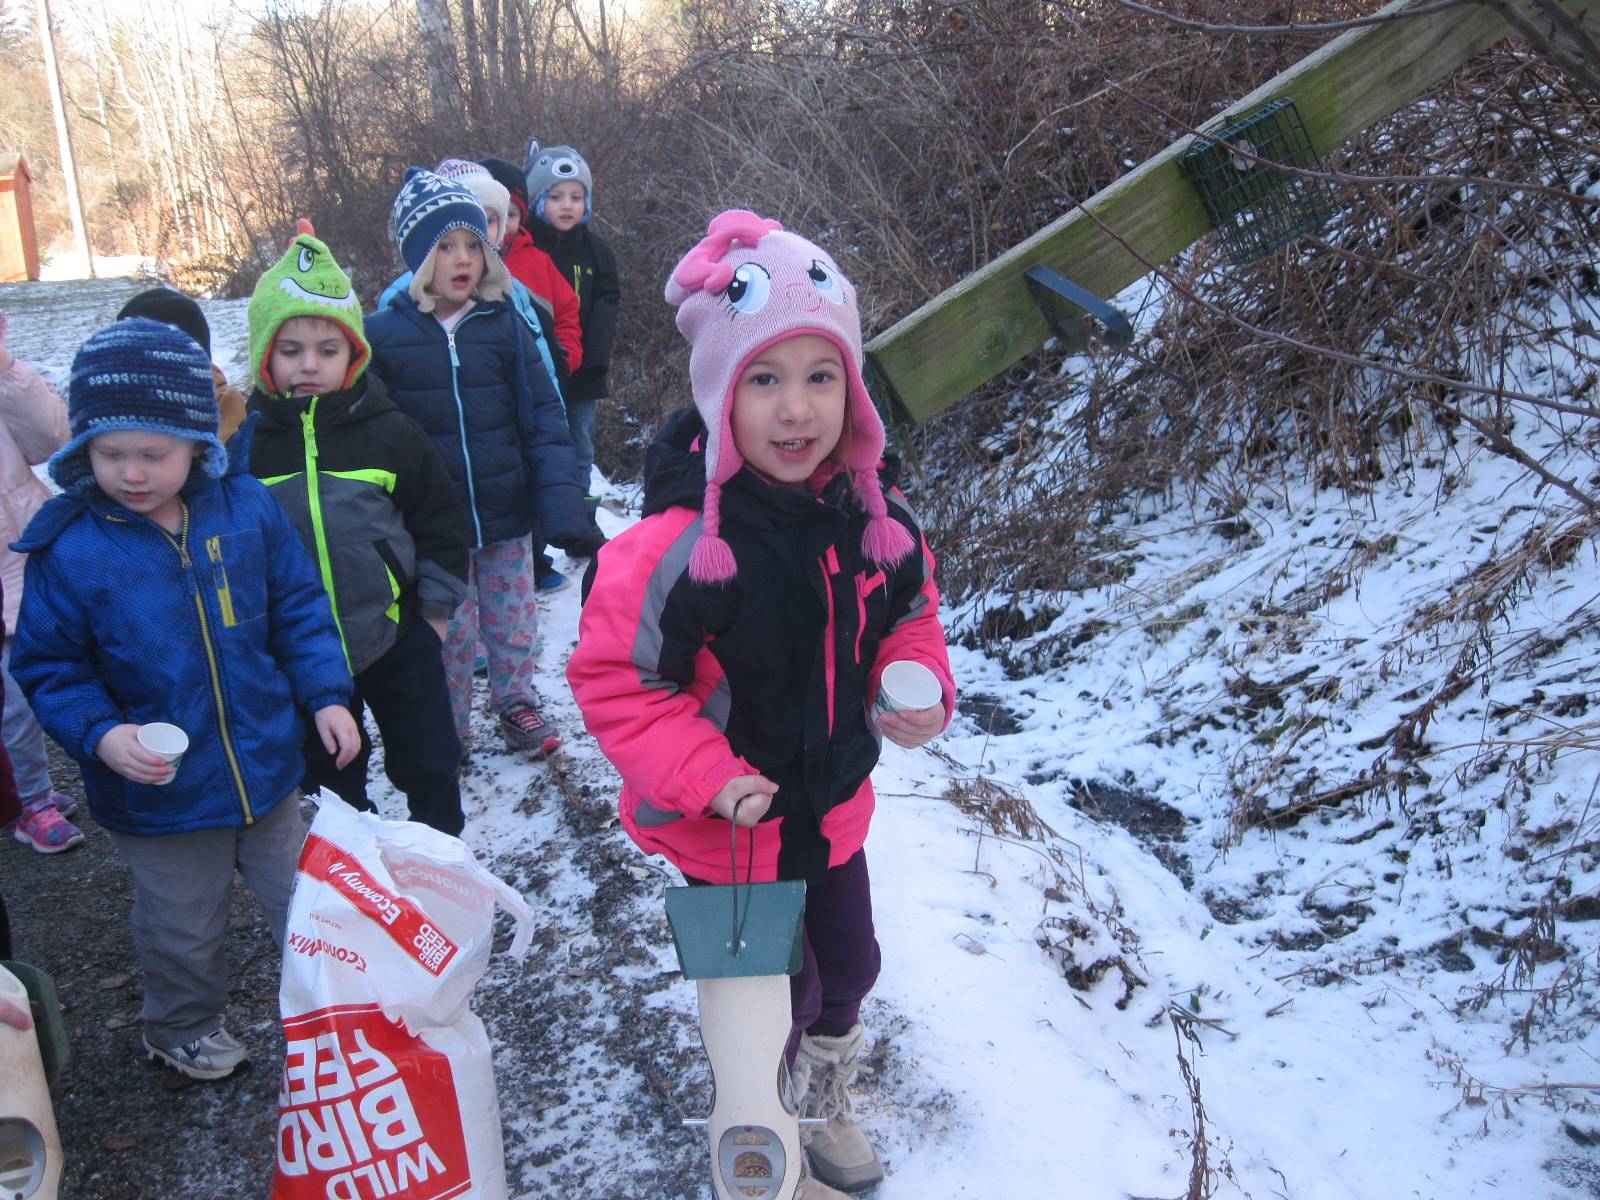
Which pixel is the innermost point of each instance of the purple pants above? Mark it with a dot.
(841, 955)
(499, 612)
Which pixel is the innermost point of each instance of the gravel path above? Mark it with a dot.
(584, 1040)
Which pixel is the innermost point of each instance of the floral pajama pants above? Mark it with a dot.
(499, 612)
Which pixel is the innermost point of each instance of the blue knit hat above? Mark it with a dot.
(138, 374)
(551, 165)
(427, 208)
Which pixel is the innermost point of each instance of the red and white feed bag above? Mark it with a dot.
(388, 1087)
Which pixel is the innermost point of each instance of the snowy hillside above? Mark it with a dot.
(1208, 875)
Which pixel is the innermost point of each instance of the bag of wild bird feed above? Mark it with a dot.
(388, 1087)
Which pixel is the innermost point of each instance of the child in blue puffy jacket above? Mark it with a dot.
(167, 585)
(458, 360)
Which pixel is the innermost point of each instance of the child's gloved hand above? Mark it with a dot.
(337, 729)
(120, 750)
(755, 790)
(912, 727)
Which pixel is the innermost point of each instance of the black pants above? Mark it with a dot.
(410, 701)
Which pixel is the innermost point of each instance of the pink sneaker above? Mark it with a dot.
(42, 826)
(62, 803)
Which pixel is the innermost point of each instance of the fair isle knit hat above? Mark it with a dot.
(558, 164)
(426, 209)
(745, 287)
(475, 177)
(305, 282)
(138, 374)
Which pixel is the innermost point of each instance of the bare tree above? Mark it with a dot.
(444, 78)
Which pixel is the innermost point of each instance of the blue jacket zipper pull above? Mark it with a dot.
(451, 339)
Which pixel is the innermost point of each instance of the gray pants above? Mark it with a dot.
(23, 738)
(181, 888)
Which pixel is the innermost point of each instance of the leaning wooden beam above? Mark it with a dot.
(971, 332)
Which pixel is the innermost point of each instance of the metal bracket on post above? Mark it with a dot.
(1049, 288)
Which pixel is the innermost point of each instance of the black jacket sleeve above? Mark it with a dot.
(434, 517)
(560, 514)
(599, 323)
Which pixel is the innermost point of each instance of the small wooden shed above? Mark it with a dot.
(19, 244)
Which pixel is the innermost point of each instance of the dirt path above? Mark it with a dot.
(595, 1067)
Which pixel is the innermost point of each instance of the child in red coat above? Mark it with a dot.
(733, 641)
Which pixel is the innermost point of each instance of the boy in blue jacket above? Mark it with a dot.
(457, 359)
(166, 584)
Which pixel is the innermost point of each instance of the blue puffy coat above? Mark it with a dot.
(224, 631)
(483, 396)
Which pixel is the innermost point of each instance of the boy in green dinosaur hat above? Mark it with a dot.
(374, 504)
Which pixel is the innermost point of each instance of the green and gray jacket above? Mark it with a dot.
(374, 504)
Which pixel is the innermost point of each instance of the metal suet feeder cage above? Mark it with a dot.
(1255, 207)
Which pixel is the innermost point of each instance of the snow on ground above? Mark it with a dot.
(1324, 1004)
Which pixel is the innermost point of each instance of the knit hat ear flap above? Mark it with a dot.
(711, 561)
(886, 541)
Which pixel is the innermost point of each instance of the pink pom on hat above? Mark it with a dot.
(747, 285)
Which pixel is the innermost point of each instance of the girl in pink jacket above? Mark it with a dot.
(33, 426)
(732, 641)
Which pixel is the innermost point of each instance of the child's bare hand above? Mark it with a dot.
(337, 729)
(755, 790)
(120, 750)
(912, 727)
(439, 625)
(5, 355)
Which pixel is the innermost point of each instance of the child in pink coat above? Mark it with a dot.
(33, 426)
(732, 642)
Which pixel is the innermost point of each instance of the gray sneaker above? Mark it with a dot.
(214, 1056)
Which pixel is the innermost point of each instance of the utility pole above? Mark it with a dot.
(69, 164)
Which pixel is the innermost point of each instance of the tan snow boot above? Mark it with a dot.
(839, 1152)
(812, 1188)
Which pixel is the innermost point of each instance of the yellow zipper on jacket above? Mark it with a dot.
(219, 575)
(181, 545)
(308, 426)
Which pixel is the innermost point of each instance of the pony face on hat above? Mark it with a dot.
(745, 287)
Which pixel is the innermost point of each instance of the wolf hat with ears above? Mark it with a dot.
(746, 286)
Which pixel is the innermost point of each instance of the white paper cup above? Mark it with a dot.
(168, 741)
(908, 685)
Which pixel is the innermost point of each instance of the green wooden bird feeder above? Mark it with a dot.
(1256, 207)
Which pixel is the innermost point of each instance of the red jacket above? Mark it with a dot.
(539, 274)
(686, 686)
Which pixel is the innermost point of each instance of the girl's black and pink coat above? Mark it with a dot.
(687, 685)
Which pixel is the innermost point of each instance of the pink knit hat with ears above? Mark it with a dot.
(746, 286)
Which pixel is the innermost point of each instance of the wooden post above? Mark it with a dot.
(971, 332)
